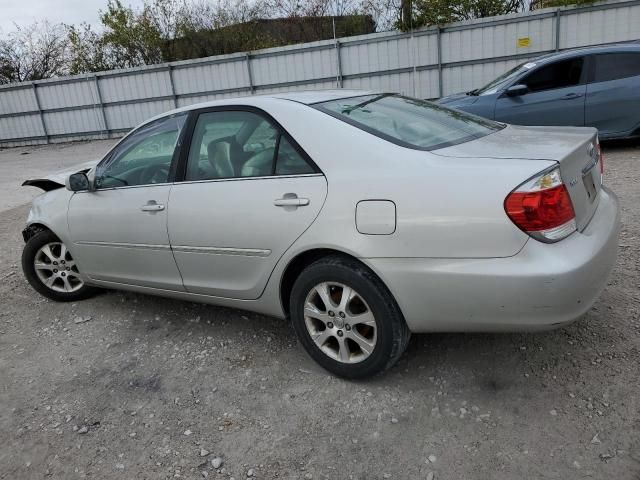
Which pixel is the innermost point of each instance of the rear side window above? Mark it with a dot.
(409, 122)
(566, 73)
(612, 66)
(233, 144)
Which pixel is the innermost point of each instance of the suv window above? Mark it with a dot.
(565, 73)
(409, 122)
(231, 144)
(143, 157)
(612, 66)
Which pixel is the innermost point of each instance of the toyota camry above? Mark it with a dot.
(360, 216)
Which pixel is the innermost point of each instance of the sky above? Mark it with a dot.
(25, 12)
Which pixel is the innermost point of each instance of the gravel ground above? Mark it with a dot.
(131, 386)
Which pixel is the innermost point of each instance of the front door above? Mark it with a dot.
(249, 192)
(556, 96)
(119, 230)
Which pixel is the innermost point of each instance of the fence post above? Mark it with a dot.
(104, 117)
(173, 87)
(338, 66)
(439, 51)
(558, 29)
(44, 127)
(249, 74)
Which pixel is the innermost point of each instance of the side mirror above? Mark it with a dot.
(78, 182)
(517, 90)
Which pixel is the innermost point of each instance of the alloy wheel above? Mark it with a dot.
(56, 268)
(340, 322)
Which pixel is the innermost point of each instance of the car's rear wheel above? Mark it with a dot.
(346, 319)
(51, 270)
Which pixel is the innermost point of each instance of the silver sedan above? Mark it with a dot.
(360, 216)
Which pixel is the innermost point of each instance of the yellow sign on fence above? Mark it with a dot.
(524, 42)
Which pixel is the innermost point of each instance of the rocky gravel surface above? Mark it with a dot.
(132, 386)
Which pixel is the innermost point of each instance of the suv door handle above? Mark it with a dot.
(291, 200)
(571, 96)
(152, 206)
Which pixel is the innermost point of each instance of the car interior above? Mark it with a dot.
(224, 145)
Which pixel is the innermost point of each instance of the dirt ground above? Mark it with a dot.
(152, 388)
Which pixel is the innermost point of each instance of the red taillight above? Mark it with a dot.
(542, 207)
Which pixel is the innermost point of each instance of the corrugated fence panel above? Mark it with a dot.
(472, 54)
(600, 26)
(18, 100)
(129, 115)
(211, 77)
(375, 56)
(60, 95)
(395, 82)
(132, 87)
(293, 66)
(323, 85)
(19, 127)
(498, 40)
(191, 100)
(63, 122)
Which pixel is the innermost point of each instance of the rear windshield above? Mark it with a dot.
(409, 122)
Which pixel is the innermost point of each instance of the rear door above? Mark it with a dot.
(556, 96)
(613, 93)
(248, 192)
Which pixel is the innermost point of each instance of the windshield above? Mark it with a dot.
(409, 122)
(502, 80)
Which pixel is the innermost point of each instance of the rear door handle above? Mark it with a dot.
(291, 200)
(571, 96)
(152, 206)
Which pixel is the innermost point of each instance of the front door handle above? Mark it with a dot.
(291, 200)
(571, 96)
(152, 206)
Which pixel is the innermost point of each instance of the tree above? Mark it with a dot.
(537, 4)
(34, 52)
(87, 50)
(132, 39)
(439, 12)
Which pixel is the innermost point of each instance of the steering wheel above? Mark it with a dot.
(158, 173)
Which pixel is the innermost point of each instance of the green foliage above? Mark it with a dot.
(538, 4)
(440, 12)
(131, 39)
(87, 50)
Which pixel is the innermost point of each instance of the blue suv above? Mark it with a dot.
(595, 87)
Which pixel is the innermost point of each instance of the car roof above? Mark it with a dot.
(633, 46)
(307, 97)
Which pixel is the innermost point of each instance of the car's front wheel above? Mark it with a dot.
(346, 319)
(51, 270)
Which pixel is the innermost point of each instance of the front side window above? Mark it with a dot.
(232, 144)
(562, 74)
(613, 66)
(409, 122)
(144, 157)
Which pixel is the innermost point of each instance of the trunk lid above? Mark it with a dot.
(573, 148)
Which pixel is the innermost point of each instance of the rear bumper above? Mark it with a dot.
(543, 286)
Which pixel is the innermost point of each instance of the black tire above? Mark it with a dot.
(28, 256)
(392, 331)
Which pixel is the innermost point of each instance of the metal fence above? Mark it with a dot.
(426, 63)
